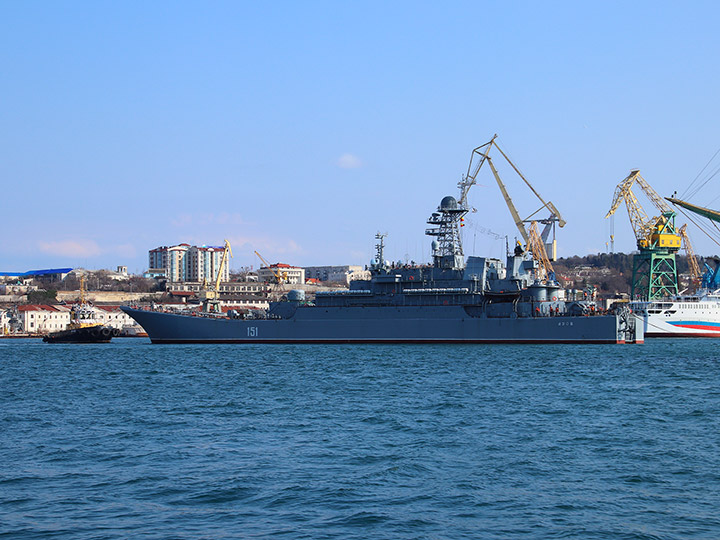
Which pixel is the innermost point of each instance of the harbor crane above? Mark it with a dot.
(210, 296)
(695, 275)
(537, 247)
(280, 277)
(654, 267)
(478, 158)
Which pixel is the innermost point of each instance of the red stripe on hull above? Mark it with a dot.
(714, 329)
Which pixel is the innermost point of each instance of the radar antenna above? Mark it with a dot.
(380, 249)
(446, 223)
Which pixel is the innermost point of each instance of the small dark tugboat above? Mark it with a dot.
(84, 326)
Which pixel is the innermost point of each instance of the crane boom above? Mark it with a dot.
(696, 276)
(211, 296)
(513, 211)
(226, 252)
(474, 166)
(550, 206)
(639, 220)
(276, 273)
(537, 246)
(478, 158)
(646, 229)
(656, 199)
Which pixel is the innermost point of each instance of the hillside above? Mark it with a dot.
(611, 273)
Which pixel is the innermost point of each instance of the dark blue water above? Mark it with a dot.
(131, 440)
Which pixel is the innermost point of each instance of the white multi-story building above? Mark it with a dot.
(203, 263)
(169, 261)
(187, 263)
(288, 274)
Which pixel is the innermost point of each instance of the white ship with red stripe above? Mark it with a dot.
(683, 316)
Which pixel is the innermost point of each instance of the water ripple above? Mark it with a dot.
(444, 442)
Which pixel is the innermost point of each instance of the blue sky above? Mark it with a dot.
(302, 129)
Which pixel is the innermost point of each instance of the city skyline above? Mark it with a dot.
(300, 131)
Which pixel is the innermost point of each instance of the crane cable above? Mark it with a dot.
(710, 235)
(693, 190)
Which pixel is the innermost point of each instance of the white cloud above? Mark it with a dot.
(71, 248)
(349, 161)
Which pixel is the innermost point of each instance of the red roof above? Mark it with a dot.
(37, 307)
(108, 308)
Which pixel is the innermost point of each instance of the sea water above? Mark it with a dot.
(133, 440)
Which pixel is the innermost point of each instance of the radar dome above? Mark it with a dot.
(435, 245)
(296, 295)
(448, 203)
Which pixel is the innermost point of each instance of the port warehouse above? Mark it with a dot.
(50, 274)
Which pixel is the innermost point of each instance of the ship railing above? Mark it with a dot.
(342, 293)
(449, 290)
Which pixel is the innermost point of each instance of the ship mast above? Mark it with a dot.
(446, 223)
(82, 289)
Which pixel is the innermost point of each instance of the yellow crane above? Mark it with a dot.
(211, 296)
(537, 246)
(654, 231)
(279, 276)
(695, 275)
(654, 267)
(480, 156)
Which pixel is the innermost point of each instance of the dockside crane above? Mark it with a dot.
(210, 296)
(537, 247)
(695, 275)
(279, 276)
(278, 287)
(654, 267)
(478, 158)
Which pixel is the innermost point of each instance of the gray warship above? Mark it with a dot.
(454, 299)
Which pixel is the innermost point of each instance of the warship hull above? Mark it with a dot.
(363, 324)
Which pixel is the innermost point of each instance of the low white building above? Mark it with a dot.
(43, 319)
(232, 293)
(288, 274)
(114, 316)
(337, 274)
